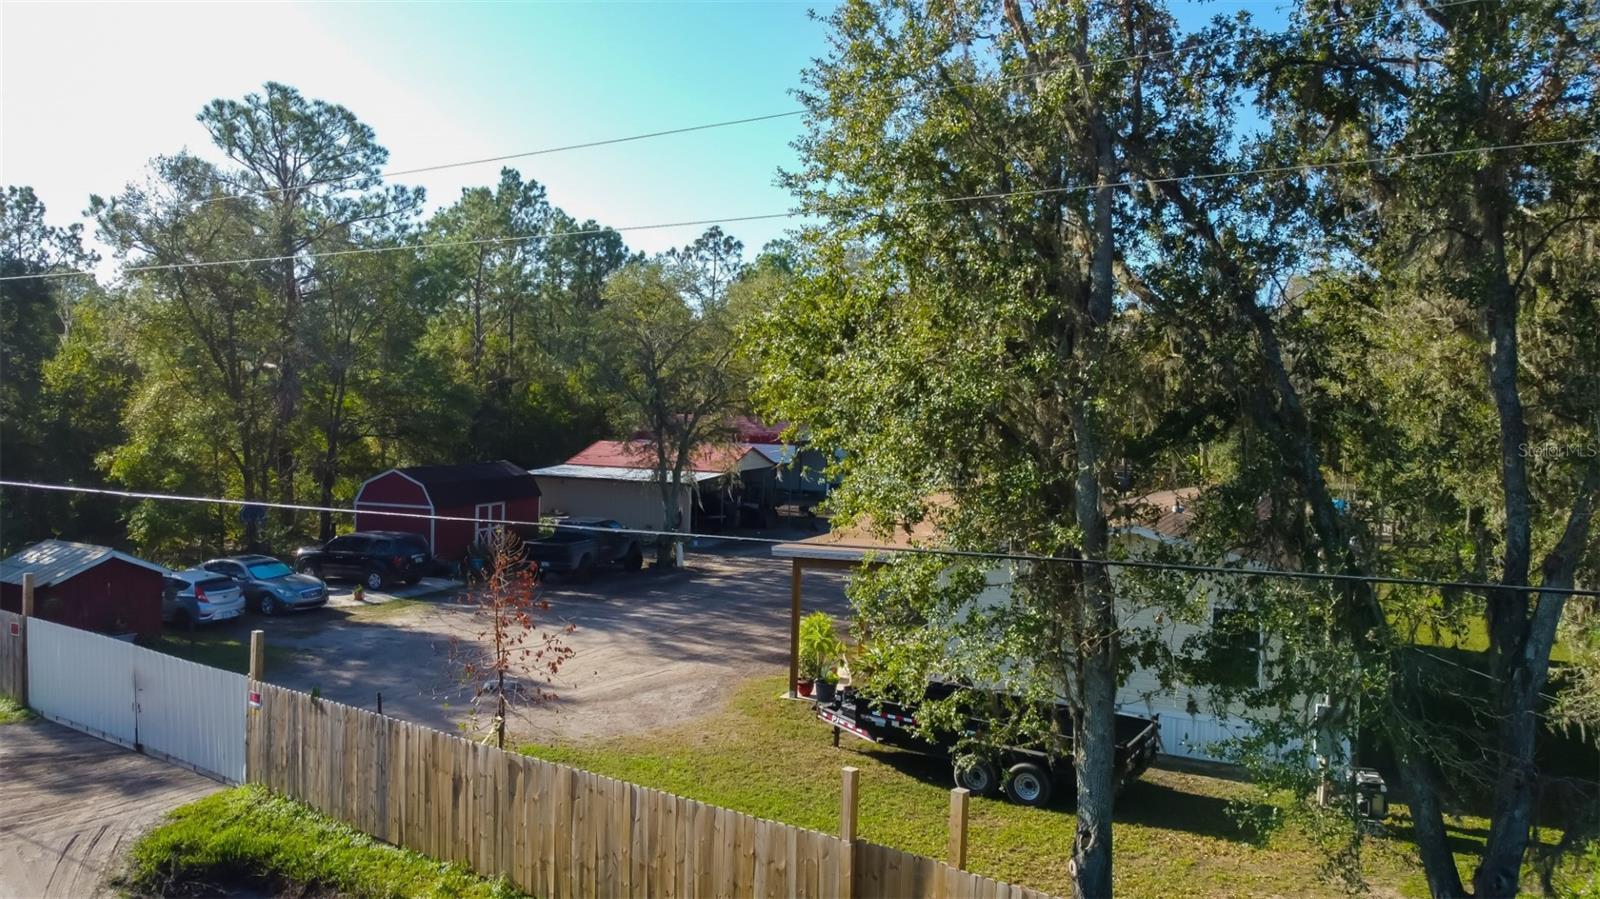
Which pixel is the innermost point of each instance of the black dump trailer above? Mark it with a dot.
(1029, 774)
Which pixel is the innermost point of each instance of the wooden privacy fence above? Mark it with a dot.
(13, 656)
(557, 832)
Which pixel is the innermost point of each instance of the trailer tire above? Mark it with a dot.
(1028, 784)
(978, 778)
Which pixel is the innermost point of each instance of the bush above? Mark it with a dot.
(820, 646)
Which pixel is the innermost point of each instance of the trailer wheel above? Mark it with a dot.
(1029, 784)
(978, 778)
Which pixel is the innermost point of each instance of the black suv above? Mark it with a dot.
(375, 558)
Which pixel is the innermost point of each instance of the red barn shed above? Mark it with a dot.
(482, 492)
(86, 586)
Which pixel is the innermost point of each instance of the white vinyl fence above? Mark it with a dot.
(150, 701)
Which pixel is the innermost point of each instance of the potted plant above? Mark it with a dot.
(820, 648)
(826, 686)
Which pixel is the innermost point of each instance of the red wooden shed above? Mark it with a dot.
(482, 492)
(86, 586)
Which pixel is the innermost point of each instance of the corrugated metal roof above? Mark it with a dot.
(779, 453)
(613, 473)
(53, 561)
(718, 459)
(471, 482)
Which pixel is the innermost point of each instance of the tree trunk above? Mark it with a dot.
(1427, 820)
(500, 711)
(1094, 725)
(288, 379)
(330, 460)
(1500, 869)
(671, 489)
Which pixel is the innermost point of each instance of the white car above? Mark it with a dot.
(197, 596)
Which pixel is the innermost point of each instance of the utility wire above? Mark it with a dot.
(889, 206)
(859, 547)
(544, 151)
(1178, 47)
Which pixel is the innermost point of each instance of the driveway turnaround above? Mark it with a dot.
(73, 804)
(652, 649)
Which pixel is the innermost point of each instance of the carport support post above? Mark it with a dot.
(847, 833)
(957, 852)
(794, 629)
(22, 634)
(258, 655)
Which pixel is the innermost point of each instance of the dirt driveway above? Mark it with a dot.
(72, 805)
(651, 649)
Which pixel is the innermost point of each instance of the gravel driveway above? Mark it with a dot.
(70, 805)
(651, 649)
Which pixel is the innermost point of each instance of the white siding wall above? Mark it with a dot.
(1189, 719)
(633, 504)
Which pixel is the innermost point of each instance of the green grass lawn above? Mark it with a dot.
(1175, 834)
(13, 712)
(1473, 637)
(248, 838)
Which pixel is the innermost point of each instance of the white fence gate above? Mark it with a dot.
(140, 698)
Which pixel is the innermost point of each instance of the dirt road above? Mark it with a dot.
(70, 805)
(651, 649)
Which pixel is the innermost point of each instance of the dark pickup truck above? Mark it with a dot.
(1029, 775)
(576, 547)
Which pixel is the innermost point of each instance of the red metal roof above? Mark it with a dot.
(641, 454)
(744, 429)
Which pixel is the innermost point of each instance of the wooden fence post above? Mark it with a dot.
(957, 851)
(22, 636)
(796, 573)
(847, 833)
(258, 655)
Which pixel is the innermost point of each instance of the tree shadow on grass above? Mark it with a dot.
(1150, 804)
(1142, 802)
(1461, 839)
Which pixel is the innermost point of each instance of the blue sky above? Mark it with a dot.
(91, 92)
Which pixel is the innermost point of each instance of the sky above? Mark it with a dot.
(90, 92)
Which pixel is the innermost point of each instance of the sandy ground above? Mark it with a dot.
(71, 804)
(651, 649)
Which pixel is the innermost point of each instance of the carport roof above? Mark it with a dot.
(53, 561)
(612, 473)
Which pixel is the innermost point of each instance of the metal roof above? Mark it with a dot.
(713, 459)
(612, 473)
(53, 561)
(469, 483)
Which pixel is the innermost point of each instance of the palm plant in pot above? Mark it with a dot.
(820, 649)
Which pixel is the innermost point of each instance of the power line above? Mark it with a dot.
(421, 245)
(586, 145)
(864, 548)
(1179, 47)
(889, 206)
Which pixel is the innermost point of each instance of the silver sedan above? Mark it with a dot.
(269, 585)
